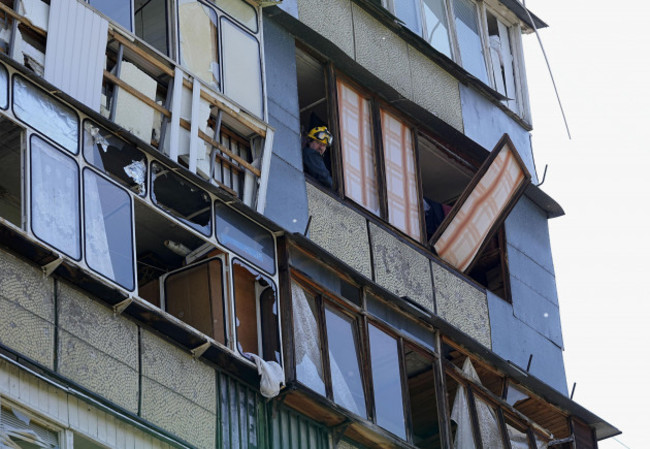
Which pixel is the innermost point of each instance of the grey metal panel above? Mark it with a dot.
(76, 44)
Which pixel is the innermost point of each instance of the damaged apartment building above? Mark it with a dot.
(171, 277)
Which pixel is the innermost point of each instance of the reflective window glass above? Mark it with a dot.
(46, 114)
(242, 67)
(469, 39)
(4, 87)
(198, 40)
(241, 11)
(307, 340)
(386, 381)
(151, 23)
(195, 295)
(436, 26)
(181, 199)
(120, 160)
(411, 328)
(408, 11)
(55, 198)
(343, 350)
(108, 229)
(117, 10)
(246, 238)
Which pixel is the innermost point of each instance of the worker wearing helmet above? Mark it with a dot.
(319, 138)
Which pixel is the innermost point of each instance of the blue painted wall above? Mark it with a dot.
(286, 199)
(531, 324)
(485, 123)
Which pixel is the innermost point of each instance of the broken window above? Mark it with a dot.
(244, 237)
(198, 36)
(343, 350)
(55, 197)
(11, 156)
(469, 39)
(42, 112)
(114, 157)
(181, 199)
(150, 17)
(108, 229)
(386, 381)
(195, 294)
(19, 431)
(502, 56)
(256, 313)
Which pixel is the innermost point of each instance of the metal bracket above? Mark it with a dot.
(122, 305)
(199, 350)
(49, 268)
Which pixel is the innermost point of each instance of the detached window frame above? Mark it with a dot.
(500, 64)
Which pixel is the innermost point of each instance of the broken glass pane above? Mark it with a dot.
(307, 341)
(241, 11)
(347, 387)
(55, 198)
(11, 196)
(108, 231)
(181, 199)
(117, 10)
(120, 160)
(4, 87)
(199, 50)
(386, 381)
(242, 67)
(151, 23)
(46, 114)
(246, 238)
(469, 39)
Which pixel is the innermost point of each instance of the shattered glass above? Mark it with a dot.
(240, 11)
(118, 159)
(46, 114)
(55, 198)
(108, 229)
(198, 35)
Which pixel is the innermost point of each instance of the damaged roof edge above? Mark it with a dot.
(522, 13)
(544, 201)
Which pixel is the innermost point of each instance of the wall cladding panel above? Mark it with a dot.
(332, 19)
(340, 230)
(401, 269)
(435, 90)
(462, 305)
(24, 284)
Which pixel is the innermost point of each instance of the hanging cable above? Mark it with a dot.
(548, 65)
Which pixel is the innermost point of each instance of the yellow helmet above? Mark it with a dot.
(321, 134)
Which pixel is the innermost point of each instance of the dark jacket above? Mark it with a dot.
(314, 166)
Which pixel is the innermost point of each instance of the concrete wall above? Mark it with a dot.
(65, 330)
(286, 198)
(531, 324)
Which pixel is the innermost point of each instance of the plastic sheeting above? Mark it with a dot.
(272, 376)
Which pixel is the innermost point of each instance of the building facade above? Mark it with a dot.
(171, 275)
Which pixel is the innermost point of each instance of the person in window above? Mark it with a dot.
(318, 139)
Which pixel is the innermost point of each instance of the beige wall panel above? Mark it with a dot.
(98, 371)
(382, 52)
(332, 19)
(24, 284)
(176, 414)
(435, 90)
(462, 304)
(26, 333)
(400, 269)
(175, 369)
(339, 230)
(96, 324)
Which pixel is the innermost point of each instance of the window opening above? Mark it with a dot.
(489, 425)
(181, 199)
(114, 157)
(226, 171)
(387, 381)
(241, 11)
(517, 434)
(422, 399)
(55, 197)
(357, 148)
(491, 267)
(117, 10)
(11, 196)
(256, 313)
(45, 114)
(198, 36)
(195, 295)
(501, 55)
(18, 430)
(108, 229)
(468, 31)
(245, 237)
(343, 350)
(161, 247)
(307, 340)
(4, 86)
(151, 23)
(436, 31)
